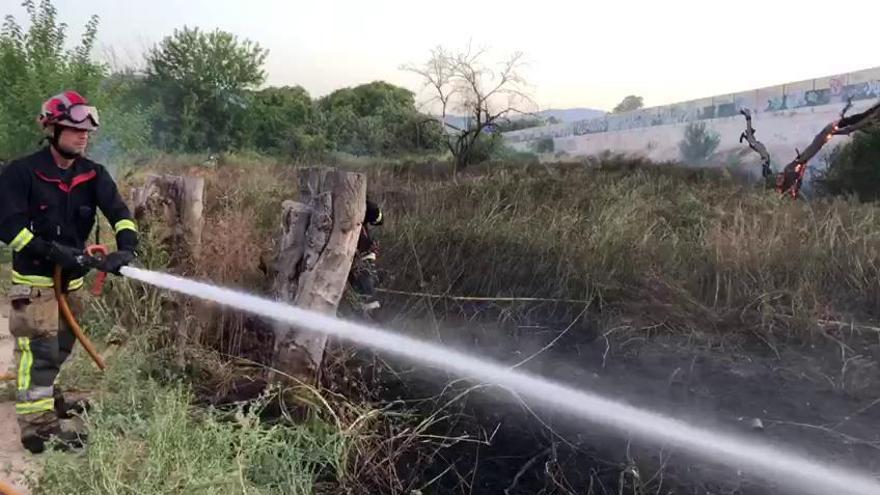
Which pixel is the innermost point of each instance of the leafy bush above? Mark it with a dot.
(545, 145)
(376, 119)
(126, 119)
(854, 167)
(698, 143)
(279, 118)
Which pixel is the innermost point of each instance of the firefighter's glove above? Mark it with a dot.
(68, 257)
(116, 260)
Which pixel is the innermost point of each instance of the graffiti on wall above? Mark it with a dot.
(834, 90)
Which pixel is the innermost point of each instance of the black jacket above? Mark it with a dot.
(41, 203)
(372, 216)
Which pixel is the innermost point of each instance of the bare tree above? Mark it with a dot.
(463, 82)
(789, 180)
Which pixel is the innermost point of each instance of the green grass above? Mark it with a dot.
(147, 435)
(153, 440)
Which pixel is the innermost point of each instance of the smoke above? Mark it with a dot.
(105, 150)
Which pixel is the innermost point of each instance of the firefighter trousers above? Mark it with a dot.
(43, 342)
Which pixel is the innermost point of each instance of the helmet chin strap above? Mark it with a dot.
(56, 136)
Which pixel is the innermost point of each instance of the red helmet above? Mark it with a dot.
(69, 109)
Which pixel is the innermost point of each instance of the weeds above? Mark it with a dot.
(145, 437)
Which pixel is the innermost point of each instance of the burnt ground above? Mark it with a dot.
(818, 391)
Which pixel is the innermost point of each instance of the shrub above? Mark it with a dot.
(698, 143)
(854, 167)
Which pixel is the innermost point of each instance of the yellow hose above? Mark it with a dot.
(71, 321)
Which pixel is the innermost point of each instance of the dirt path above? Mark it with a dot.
(14, 460)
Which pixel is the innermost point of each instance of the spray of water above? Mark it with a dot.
(786, 470)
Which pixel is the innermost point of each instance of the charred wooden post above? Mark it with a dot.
(169, 209)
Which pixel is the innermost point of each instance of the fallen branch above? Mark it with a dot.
(850, 416)
(531, 462)
(482, 299)
(552, 342)
(843, 436)
(833, 323)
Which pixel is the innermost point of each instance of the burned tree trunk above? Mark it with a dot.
(317, 247)
(177, 202)
(757, 146)
(168, 209)
(790, 179)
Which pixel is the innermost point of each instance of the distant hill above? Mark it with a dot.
(564, 115)
(456, 121)
(572, 114)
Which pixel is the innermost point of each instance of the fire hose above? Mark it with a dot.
(95, 255)
(7, 489)
(64, 307)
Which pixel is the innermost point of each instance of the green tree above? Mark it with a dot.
(698, 143)
(630, 103)
(369, 99)
(34, 64)
(853, 166)
(202, 81)
(278, 116)
(377, 118)
(126, 120)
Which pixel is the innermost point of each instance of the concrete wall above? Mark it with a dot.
(785, 117)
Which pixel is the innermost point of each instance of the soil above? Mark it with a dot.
(816, 391)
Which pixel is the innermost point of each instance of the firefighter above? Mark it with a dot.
(48, 206)
(364, 276)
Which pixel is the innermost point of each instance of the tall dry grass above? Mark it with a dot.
(635, 235)
(674, 244)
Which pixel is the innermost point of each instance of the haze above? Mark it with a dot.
(580, 54)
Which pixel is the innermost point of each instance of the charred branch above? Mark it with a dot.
(757, 146)
(790, 179)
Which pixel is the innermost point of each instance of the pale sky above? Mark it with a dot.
(580, 53)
